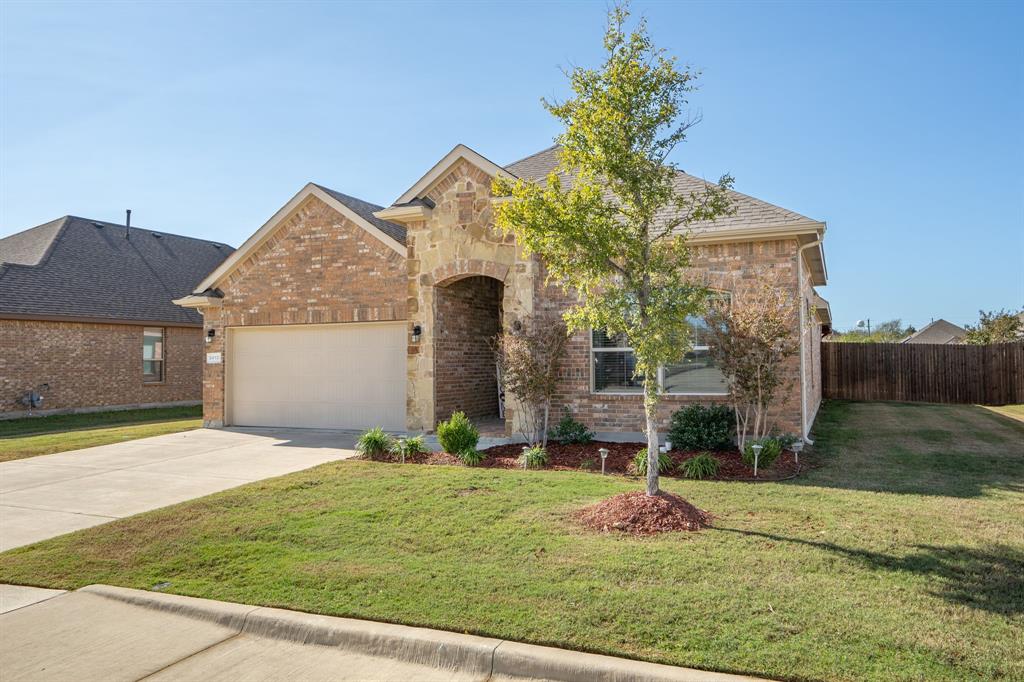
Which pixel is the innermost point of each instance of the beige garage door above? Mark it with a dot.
(334, 376)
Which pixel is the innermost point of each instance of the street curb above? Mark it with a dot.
(423, 646)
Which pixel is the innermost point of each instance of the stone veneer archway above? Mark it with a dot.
(457, 241)
(467, 317)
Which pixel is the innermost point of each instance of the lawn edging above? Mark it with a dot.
(421, 646)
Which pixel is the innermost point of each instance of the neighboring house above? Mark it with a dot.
(938, 331)
(86, 318)
(340, 313)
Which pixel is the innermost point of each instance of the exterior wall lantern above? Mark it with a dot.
(210, 333)
(417, 331)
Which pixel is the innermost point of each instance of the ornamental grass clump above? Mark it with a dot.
(375, 444)
(408, 447)
(638, 466)
(702, 466)
(533, 458)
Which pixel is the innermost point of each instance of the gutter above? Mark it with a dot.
(803, 350)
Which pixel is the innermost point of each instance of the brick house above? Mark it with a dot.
(86, 319)
(340, 313)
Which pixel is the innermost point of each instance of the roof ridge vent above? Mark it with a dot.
(97, 224)
(157, 235)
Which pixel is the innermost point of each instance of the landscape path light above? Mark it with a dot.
(797, 446)
(524, 458)
(604, 455)
(757, 454)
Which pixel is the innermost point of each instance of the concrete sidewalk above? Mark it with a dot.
(112, 633)
(42, 497)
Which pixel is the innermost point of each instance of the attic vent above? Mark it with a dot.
(156, 235)
(99, 225)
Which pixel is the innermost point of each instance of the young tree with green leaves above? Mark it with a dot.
(614, 234)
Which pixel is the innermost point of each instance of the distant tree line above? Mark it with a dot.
(997, 326)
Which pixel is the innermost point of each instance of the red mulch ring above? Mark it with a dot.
(640, 514)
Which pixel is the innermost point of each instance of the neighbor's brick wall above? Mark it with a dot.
(468, 316)
(720, 265)
(93, 365)
(317, 268)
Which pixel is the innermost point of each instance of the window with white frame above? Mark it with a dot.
(152, 355)
(613, 364)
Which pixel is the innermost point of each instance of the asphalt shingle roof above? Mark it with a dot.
(750, 212)
(365, 210)
(76, 267)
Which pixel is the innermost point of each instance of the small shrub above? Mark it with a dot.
(533, 458)
(457, 434)
(375, 444)
(589, 464)
(697, 427)
(408, 447)
(471, 456)
(703, 465)
(638, 467)
(571, 432)
(770, 451)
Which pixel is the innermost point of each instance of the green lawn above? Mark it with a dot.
(1014, 411)
(900, 557)
(29, 437)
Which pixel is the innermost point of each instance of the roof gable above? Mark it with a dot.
(440, 169)
(356, 210)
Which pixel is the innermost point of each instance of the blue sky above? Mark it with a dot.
(901, 125)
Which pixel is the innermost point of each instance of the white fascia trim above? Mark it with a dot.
(264, 233)
(197, 301)
(404, 214)
(699, 236)
(460, 151)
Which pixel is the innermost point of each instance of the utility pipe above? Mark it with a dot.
(803, 327)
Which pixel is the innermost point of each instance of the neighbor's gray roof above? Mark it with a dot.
(939, 331)
(76, 267)
(365, 210)
(750, 212)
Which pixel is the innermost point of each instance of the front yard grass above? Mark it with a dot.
(901, 557)
(31, 436)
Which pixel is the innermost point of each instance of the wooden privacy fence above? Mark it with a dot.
(934, 373)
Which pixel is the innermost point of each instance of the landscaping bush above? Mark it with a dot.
(407, 447)
(703, 465)
(375, 444)
(534, 458)
(471, 456)
(697, 427)
(639, 464)
(571, 432)
(772, 448)
(457, 434)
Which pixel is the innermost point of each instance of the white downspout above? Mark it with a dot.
(803, 349)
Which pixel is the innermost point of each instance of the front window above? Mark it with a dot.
(613, 363)
(152, 354)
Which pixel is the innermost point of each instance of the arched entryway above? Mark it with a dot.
(467, 316)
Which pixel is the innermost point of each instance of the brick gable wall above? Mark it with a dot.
(318, 267)
(93, 365)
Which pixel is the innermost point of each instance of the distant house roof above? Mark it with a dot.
(939, 331)
(750, 212)
(87, 269)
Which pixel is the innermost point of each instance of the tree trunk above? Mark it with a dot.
(547, 411)
(651, 413)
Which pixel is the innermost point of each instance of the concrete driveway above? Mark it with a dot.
(49, 495)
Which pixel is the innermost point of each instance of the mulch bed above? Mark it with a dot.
(731, 466)
(640, 514)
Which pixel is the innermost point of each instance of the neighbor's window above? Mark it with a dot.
(152, 354)
(696, 374)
